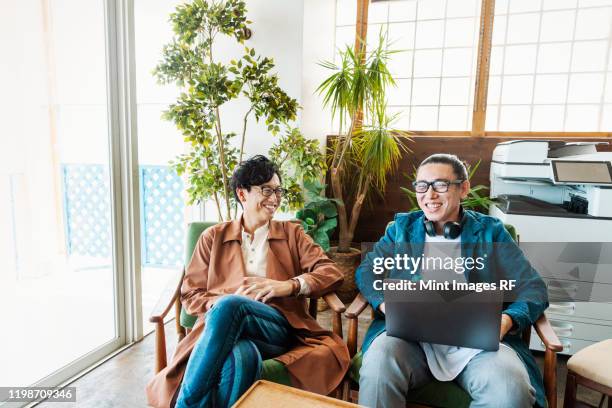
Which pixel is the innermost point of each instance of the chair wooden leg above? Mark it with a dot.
(352, 336)
(337, 324)
(346, 391)
(312, 308)
(550, 377)
(160, 347)
(569, 400)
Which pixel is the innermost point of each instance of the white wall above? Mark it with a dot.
(318, 45)
(298, 34)
(277, 33)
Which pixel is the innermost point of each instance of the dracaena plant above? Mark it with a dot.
(189, 61)
(355, 92)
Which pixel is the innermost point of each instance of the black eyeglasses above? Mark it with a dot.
(439, 186)
(268, 191)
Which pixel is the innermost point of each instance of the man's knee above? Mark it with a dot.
(505, 390)
(501, 381)
(228, 304)
(389, 358)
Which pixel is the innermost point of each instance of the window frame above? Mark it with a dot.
(479, 93)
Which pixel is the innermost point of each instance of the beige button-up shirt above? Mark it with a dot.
(255, 255)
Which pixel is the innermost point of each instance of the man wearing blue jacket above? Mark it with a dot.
(508, 377)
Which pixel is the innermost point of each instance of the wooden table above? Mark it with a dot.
(268, 394)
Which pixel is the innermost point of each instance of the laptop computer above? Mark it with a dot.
(452, 317)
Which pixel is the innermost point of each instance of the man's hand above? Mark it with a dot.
(265, 289)
(506, 325)
(382, 307)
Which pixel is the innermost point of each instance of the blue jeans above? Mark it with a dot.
(392, 366)
(239, 333)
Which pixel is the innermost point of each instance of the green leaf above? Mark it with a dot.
(328, 225)
(329, 209)
(322, 239)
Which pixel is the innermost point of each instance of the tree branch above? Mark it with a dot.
(361, 195)
(222, 162)
(244, 127)
(220, 144)
(218, 206)
(341, 207)
(347, 142)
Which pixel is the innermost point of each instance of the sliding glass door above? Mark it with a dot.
(61, 289)
(163, 212)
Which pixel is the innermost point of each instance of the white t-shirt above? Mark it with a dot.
(445, 362)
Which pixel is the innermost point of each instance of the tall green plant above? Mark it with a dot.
(355, 92)
(206, 84)
(474, 201)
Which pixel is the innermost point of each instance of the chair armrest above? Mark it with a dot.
(547, 334)
(167, 298)
(334, 302)
(352, 313)
(356, 307)
(553, 345)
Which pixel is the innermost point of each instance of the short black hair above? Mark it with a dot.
(253, 172)
(444, 158)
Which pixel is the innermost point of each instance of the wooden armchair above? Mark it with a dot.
(272, 370)
(441, 393)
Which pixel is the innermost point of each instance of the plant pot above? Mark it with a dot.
(347, 263)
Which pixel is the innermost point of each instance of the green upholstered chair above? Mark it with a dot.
(272, 370)
(448, 394)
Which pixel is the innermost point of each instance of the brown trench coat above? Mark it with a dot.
(321, 358)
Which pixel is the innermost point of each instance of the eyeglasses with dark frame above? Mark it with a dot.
(439, 186)
(268, 191)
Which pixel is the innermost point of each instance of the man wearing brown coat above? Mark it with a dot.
(246, 282)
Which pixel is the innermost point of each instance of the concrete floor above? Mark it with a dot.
(48, 299)
(120, 381)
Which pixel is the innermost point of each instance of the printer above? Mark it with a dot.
(558, 196)
(564, 188)
(574, 176)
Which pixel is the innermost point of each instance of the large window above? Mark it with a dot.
(550, 62)
(550, 66)
(60, 290)
(435, 64)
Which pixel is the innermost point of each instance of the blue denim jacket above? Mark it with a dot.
(478, 233)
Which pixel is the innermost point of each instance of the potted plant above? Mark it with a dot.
(319, 219)
(319, 215)
(366, 149)
(206, 84)
(474, 200)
